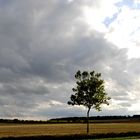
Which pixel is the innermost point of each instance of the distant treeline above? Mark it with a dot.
(97, 119)
(22, 121)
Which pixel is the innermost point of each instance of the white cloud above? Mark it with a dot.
(124, 31)
(136, 1)
(96, 12)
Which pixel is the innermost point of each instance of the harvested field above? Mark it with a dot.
(7, 130)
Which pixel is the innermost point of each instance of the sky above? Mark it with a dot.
(43, 43)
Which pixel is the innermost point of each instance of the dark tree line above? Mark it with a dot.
(70, 119)
(92, 118)
(22, 121)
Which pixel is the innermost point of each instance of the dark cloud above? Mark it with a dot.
(42, 45)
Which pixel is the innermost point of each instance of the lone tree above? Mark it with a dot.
(89, 92)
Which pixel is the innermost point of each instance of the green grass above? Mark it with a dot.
(121, 138)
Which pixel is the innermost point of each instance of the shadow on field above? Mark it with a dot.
(74, 137)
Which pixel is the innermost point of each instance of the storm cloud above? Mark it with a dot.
(42, 45)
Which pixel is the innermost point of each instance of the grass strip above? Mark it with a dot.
(77, 137)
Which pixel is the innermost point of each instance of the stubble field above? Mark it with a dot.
(16, 130)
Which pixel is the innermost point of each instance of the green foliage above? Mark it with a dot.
(89, 91)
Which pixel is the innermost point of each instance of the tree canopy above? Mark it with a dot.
(90, 91)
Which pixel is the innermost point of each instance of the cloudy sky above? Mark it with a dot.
(44, 42)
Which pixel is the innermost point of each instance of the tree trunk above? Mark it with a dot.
(88, 120)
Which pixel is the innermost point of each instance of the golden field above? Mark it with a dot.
(7, 130)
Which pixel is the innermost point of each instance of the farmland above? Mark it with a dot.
(7, 130)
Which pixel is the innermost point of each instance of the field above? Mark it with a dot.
(7, 130)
